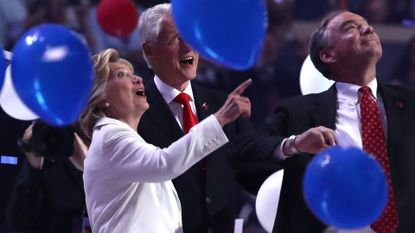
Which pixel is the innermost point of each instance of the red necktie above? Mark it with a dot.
(189, 119)
(373, 140)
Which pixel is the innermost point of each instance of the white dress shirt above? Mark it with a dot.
(169, 93)
(127, 181)
(348, 127)
(348, 124)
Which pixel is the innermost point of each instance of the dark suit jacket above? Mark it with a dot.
(298, 114)
(207, 197)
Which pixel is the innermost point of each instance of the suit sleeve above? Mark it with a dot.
(254, 160)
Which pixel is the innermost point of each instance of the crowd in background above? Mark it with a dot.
(276, 73)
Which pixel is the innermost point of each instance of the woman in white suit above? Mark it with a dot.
(128, 181)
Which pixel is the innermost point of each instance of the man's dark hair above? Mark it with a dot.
(319, 41)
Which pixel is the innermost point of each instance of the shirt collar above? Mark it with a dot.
(109, 120)
(349, 92)
(168, 92)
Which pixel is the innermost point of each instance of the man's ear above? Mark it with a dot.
(147, 49)
(327, 56)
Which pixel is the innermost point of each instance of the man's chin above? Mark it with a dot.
(189, 75)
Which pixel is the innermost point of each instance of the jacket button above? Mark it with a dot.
(208, 200)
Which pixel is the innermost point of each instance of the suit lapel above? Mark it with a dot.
(323, 112)
(201, 102)
(160, 113)
(394, 104)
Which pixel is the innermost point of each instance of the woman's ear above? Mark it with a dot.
(104, 105)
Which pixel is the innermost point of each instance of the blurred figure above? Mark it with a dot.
(400, 10)
(48, 196)
(126, 47)
(127, 180)
(74, 17)
(279, 65)
(12, 13)
(312, 10)
(404, 71)
(375, 11)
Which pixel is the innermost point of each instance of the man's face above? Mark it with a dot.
(351, 38)
(171, 58)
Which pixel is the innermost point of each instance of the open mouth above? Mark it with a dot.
(140, 93)
(187, 60)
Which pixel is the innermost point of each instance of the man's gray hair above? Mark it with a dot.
(149, 24)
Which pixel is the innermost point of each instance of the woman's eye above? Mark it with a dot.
(121, 75)
(124, 75)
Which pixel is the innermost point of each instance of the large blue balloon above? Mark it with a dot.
(345, 188)
(52, 73)
(2, 67)
(228, 32)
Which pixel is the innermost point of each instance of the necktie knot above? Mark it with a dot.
(182, 98)
(365, 91)
(189, 119)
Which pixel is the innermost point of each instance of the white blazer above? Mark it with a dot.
(127, 181)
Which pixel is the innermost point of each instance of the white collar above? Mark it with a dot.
(168, 92)
(347, 92)
(109, 120)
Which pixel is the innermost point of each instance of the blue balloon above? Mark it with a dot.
(228, 32)
(345, 188)
(2, 68)
(52, 72)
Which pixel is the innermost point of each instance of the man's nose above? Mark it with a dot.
(184, 45)
(367, 29)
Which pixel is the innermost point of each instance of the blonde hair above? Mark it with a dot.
(94, 109)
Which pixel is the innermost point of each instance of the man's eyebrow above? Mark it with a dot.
(345, 23)
(351, 21)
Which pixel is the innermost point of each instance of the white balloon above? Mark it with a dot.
(10, 101)
(311, 80)
(7, 55)
(267, 199)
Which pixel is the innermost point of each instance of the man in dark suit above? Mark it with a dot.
(207, 190)
(346, 49)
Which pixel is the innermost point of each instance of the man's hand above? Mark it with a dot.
(235, 105)
(315, 140)
(79, 153)
(35, 161)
